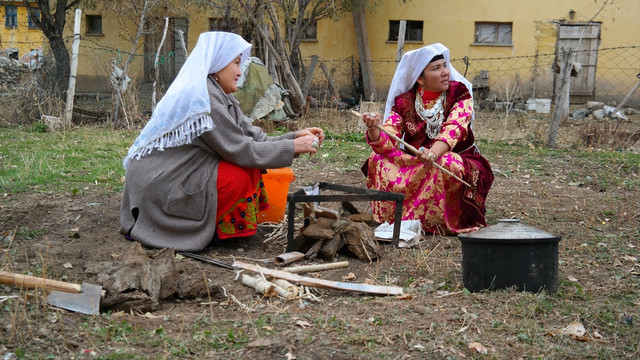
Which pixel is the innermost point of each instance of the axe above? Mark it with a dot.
(83, 298)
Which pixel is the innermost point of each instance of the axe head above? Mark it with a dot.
(87, 301)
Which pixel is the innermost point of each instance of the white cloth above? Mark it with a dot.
(183, 113)
(410, 232)
(412, 65)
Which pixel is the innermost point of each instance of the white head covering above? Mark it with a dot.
(183, 113)
(412, 65)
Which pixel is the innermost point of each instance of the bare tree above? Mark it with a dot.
(282, 44)
(52, 26)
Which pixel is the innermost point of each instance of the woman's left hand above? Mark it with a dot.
(427, 156)
(319, 133)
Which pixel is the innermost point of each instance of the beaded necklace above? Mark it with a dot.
(432, 116)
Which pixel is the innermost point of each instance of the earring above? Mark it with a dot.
(216, 78)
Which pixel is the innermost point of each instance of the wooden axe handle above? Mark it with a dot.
(32, 282)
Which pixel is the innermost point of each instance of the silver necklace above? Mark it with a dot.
(433, 116)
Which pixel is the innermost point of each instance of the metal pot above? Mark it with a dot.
(510, 255)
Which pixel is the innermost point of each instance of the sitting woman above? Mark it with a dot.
(194, 173)
(430, 106)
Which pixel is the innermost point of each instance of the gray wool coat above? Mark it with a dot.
(170, 197)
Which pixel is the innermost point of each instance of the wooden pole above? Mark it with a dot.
(626, 97)
(362, 39)
(414, 150)
(155, 65)
(321, 283)
(401, 32)
(332, 85)
(319, 267)
(68, 111)
(309, 76)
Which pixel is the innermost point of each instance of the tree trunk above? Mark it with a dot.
(63, 65)
(561, 109)
(289, 81)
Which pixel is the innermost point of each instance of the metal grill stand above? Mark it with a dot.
(353, 194)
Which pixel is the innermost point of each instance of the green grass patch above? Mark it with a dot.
(66, 161)
(71, 161)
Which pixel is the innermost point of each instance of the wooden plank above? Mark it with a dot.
(320, 283)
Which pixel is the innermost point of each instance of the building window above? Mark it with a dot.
(413, 31)
(493, 33)
(94, 24)
(309, 33)
(224, 24)
(32, 24)
(11, 16)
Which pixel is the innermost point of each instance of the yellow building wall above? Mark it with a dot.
(452, 22)
(22, 38)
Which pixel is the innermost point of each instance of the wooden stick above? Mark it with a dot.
(321, 283)
(318, 267)
(32, 282)
(414, 150)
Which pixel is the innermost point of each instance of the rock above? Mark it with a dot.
(580, 114)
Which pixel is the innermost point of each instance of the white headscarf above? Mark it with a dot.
(412, 65)
(183, 113)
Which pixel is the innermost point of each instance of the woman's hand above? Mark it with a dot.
(431, 155)
(427, 156)
(372, 120)
(317, 132)
(306, 143)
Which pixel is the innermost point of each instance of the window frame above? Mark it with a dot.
(412, 26)
(310, 33)
(234, 24)
(32, 24)
(496, 33)
(90, 22)
(13, 15)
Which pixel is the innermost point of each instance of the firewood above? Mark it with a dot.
(360, 240)
(321, 283)
(312, 253)
(330, 248)
(316, 232)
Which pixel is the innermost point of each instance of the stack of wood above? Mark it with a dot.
(326, 231)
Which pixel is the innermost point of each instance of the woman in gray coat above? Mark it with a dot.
(194, 171)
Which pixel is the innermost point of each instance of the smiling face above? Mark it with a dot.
(435, 77)
(229, 75)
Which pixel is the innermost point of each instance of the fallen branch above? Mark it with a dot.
(313, 268)
(328, 284)
(261, 286)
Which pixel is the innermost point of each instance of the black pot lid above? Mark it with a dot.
(509, 229)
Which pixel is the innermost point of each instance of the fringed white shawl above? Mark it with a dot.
(184, 112)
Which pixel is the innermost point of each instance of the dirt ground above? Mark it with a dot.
(598, 223)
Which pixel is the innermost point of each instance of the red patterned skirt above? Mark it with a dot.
(241, 195)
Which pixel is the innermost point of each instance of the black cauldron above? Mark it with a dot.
(510, 255)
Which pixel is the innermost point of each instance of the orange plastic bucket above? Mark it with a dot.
(276, 183)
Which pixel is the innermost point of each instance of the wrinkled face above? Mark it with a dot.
(435, 77)
(229, 75)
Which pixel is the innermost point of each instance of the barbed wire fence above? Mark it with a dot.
(496, 80)
(504, 84)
